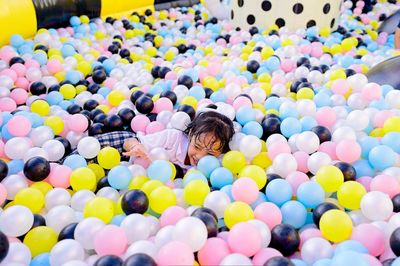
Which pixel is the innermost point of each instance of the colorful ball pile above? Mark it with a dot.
(312, 178)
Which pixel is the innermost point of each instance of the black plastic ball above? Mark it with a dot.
(163, 72)
(74, 109)
(323, 133)
(144, 104)
(285, 239)
(90, 105)
(126, 115)
(350, 72)
(54, 87)
(294, 86)
(170, 95)
(96, 129)
(155, 71)
(208, 92)
(4, 246)
(67, 232)
(124, 53)
(209, 221)
(3, 170)
(179, 171)
(187, 109)
(100, 118)
(140, 259)
(395, 241)
(253, 66)
(87, 114)
(271, 177)
(37, 169)
(396, 203)
(278, 261)
(303, 60)
(270, 125)
(16, 60)
(113, 49)
(93, 88)
(109, 260)
(37, 88)
(321, 209)
(205, 210)
(95, 112)
(134, 201)
(99, 76)
(388, 262)
(152, 117)
(66, 144)
(185, 81)
(38, 220)
(103, 182)
(113, 123)
(349, 172)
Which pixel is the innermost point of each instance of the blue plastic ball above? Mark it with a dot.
(16, 40)
(221, 177)
(196, 175)
(310, 194)
(279, 191)
(160, 170)
(382, 157)
(228, 191)
(350, 258)
(392, 140)
(208, 164)
(294, 213)
(253, 128)
(245, 114)
(290, 126)
(15, 166)
(367, 144)
(75, 161)
(119, 177)
(350, 245)
(41, 260)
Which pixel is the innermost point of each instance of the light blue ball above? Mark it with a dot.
(73, 76)
(392, 140)
(310, 194)
(273, 63)
(298, 262)
(160, 170)
(278, 191)
(396, 262)
(41, 260)
(197, 92)
(117, 219)
(104, 91)
(35, 119)
(288, 112)
(64, 104)
(194, 176)
(67, 50)
(16, 40)
(218, 96)
(350, 245)
(75, 161)
(208, 164)
(290, 126)
(253, 128)
(382, 157)
(228, 191)
(15, 166)
(54, 97)
(350, 258)
(363, 168)
(75, 21)
(119, 177)
(272, 103)
(40, 57)
(294, 213)
(307, 123)
(323, 262)
(108, 65)
(367, 144)
(221, 177)
(261, 198)
(245, 114)
(5, 134)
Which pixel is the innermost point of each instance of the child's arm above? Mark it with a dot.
(134, 148)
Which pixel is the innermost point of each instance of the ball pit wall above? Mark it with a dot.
(25, 17)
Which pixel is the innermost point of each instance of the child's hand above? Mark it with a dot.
(137, 150)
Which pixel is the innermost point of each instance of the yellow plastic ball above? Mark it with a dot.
(195, 192)
(138, 181)
(97, 170)
(234, 161)
(305, 93)
(84, 19)
(350, 195)
(338, 74)
(336, 226)
(151, 51)
(256, 173)
(115, 97)
(68, 91)
(162, 198)
(83, 178)
(262, 160)
(169, 55)
(151, 185)
(31, 198)
(237, 212)
(40, 239)
(42, 186)
(330, 178)
(104, 108)
(99, 207)
(84, 67)
(211, 82)
(40, 107)
(267, 52)
(158, 40)
(55, 123)
(325, 31)
(108, 157)
(347, 44)
(189, 100)
(392, 124)
(264, 77)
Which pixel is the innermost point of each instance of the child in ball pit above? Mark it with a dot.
(208, 134)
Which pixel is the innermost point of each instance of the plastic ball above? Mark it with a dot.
(285, 239)
(237, 212)
(160, 170)
(4, 246)
(40, 240)
(37, 169)
(350, 194)
(162, 198)
(139, 259)
(65, 251)
(175, 253)
(40, 107)
(279, 191)
(245, 238)
(101, 208)
(209, 220)
(108, 157)
(134, 201)
(31, 198)
(16, 221)
(195, 192)
(192, 231)
(110, 240)
(234, 161)
(88, 147)
(336, 225)
(330, 178)
(370, 202)
(67, 232)
(83, 178)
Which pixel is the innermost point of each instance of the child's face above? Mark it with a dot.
(203, 145)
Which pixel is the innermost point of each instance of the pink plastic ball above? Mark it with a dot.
(19, 95)
(154, 127)
(245, 238)
(22, 83)
(348, 151)
(241, 102)
(60, 176)
(139, 123)
(245, 189)
(340, 86)
(163, 104)
(172, 215)
(371, 237)
(264, 255)
(269, 213)
(365, 181)
(288, 65)
(302, 159)
(54, 66)
(19, 126)
(9, 73)
(386, 184)
(381, 117)
(110, 240)
(371, 91)
(7, 104)
(214, 250)
(308, 234)
(175, 253)
(277, 148)
(295, 179)
(326, 116)
(328, 147)
(19, 69)
(77, 123)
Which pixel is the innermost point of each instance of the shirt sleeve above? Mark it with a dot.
(167, 139)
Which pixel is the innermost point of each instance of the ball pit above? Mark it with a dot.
(311, 178)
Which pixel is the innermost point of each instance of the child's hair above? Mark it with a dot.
(215, 123)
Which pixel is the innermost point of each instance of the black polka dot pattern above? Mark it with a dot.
(280, 22)
(251, 19)
(298, 8)
(327, 8)
(311, 23)
(266, 6)
(333, 23)
(232, 14)
(240, 3)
